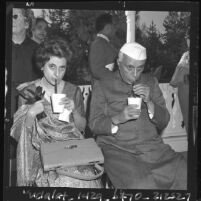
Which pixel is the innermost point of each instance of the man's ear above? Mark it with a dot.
(120, 57)
(26, 23)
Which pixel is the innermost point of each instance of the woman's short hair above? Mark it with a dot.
(102, 20)
(52, 47)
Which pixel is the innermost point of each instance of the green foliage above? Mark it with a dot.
(164, 49)
(150, 38)
(78, 28)
(176, 26)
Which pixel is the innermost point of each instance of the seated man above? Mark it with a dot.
(135, 155)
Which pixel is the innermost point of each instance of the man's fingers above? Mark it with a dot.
(137, 86)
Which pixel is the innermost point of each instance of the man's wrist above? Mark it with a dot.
(150, 106)
(114, 126)
(115, 121)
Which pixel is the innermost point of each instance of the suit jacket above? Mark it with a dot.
(101, 54)
(23, 68)
(109, 97)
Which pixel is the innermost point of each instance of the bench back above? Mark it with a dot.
(175, 133)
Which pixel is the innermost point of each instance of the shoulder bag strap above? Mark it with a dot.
(82, 177)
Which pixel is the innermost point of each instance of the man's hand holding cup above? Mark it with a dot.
(130, 112)
(143, 91)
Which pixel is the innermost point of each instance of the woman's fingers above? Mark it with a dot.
(68, 103)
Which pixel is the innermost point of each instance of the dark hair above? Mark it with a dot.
(40, 19)
(27, 13)
(103, 20)
(52, 47)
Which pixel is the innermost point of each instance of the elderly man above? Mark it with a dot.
(135, 155)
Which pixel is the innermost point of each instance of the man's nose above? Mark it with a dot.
(134, 72)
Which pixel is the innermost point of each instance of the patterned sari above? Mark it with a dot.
(49, 129)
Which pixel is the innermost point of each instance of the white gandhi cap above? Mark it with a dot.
(134, 50)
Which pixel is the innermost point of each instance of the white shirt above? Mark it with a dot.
(103, 36)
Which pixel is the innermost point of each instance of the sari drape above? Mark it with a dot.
(46, 130)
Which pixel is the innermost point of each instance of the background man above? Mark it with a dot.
(39, 30)
(102, 54)
(135, 155)
(22, 52)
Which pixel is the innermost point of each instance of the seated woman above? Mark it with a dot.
(35, 123)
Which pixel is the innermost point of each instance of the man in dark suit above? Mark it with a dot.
(102, 53)
(22, 53)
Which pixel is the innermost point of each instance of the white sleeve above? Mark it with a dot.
(114, 129)
(150, 114)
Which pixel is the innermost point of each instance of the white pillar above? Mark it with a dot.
(130, 16)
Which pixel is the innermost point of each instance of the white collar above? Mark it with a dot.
(103, 36)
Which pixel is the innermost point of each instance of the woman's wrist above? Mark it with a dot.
(30, 119)
(31, 113)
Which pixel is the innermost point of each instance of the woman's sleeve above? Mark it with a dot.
(182, 69)
(79, 102)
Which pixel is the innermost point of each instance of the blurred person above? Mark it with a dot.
(102, 54)
(39, 30)
(180, 80)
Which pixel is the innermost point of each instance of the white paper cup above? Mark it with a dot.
(135, 101)
(65, 115)
(56, 99)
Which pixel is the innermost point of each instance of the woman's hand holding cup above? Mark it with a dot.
(69, 107)
(57, 106)
(68, 103)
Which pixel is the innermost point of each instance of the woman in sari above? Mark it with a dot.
(180, 80)
(35, 123)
